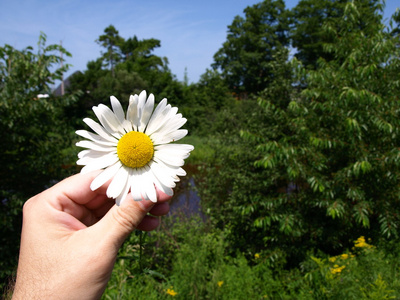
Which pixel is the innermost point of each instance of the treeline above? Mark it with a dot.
(315, 163)
(296, 126)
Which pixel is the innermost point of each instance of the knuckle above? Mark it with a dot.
(127, 219)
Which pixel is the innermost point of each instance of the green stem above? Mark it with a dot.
(142, 238)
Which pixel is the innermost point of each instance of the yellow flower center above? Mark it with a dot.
(135, 149)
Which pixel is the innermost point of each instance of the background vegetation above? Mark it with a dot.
(297, 162)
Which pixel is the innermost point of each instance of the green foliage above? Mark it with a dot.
(341, 148)
(36, 138)
(197, 265)
(33, 131)
(139, 54)
(251, 43)
(231, 184)
(395, 28)
(308, 17)
(307, 35)
(112, 42)
(197, 268)
(319, 163)
(202, 102)
(363, 273)
(351, 112)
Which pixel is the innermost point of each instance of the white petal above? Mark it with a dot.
(132, 182)
(109, 120)
(163, 175)
(127, 126)
(169, 158)
(123, 194)
(173, 150)
(99, 163)
(162, 187)
(149, 185)
(132, 113)
(95, 146)
(175, 147)
(169, 115)
(134, 99)
(173, 124)
(162, 119)
(141, 102)
(110, 117)
(90, 154)
(117, 108)
(169, 138)
(136, 184)
(170, 170)
(118, 183)
(155, 117)
(105, 176)
(172, 115)
(95, 138)
(146, 113)
(96, 127)
(86, 156)
(181, 172)
(83, 153)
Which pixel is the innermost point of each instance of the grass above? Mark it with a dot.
(202, 152)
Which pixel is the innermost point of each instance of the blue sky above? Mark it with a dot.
(191, 32)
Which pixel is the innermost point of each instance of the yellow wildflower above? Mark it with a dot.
(336, 269)
(332, 259)
(171, 292)
(361, 243)
(344, 256)
(220, 283)
(257, 256)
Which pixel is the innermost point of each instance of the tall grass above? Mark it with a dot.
(202, 152)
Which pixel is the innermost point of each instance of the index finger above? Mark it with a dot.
(77, 188)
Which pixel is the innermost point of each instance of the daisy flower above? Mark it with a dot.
(135, 149)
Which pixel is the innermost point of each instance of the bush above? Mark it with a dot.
(364, 272)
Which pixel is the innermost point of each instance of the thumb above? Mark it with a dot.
(120, 221)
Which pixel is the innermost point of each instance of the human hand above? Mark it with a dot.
(71, 236)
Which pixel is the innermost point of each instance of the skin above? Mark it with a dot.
(71, 236)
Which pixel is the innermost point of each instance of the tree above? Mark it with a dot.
(238, 194)
(133, 67)
(396, 19)
(337, 154)
(203, 102)
(319, 166)
(153, 70)
(112, 42)
(250, 46)
(308, 16)
(139, 53)
(35, 136)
